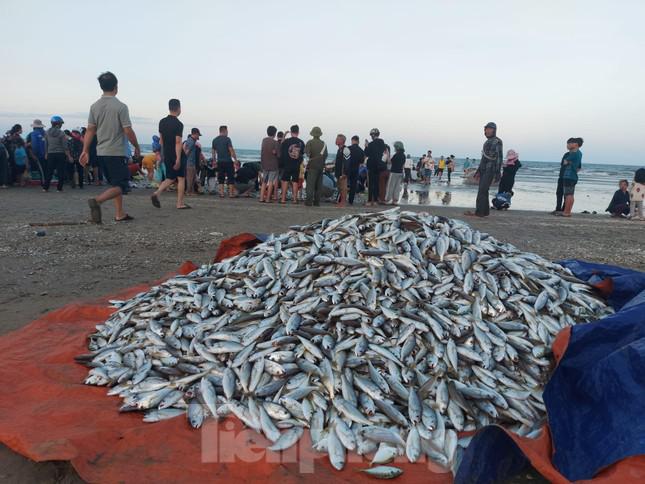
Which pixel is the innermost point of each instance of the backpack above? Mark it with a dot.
(37, 140)
(20, 156)
(502, 201)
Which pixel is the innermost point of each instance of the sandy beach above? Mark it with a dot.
(76, 261)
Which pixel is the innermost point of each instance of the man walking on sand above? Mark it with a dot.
(316, 151)
(109, 121)
(171, 132)
(489, 169)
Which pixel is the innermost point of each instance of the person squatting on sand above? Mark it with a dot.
(619, 204)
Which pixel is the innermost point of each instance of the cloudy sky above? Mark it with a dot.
(429, 73)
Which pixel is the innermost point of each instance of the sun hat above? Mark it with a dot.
(37, 124)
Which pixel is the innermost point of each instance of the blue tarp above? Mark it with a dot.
(595, 399)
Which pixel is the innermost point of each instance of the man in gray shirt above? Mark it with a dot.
(109, 120)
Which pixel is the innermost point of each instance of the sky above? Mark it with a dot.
(429, 73)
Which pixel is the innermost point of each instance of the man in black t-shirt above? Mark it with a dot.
(356, 159)
(171, 132)
(291, 155)
(224, 156)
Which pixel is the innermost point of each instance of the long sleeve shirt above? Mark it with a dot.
(492, 155)
(316, 151)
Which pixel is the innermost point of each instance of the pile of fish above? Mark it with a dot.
(381, 333)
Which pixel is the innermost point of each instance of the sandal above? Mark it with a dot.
(127, 218)
(185, 207)
(473, 214)
(155, 201)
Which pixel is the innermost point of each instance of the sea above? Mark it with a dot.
(535, 185)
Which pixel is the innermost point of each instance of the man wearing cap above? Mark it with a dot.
(56, 153)
(109, 121)
(374, 150)
(316, 152)
(36, 147)
(190, 148)
(489, 169)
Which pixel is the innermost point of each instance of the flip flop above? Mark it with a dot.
(127, 218)
(473, 214)
(95, 211)
(155, 201)
(185, 207)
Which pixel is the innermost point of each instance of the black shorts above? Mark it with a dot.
(173, 174)
(291, 173)
(225, 172)
(408, 175)
(115, 169)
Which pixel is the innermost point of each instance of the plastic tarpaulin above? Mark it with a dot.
(595, 399)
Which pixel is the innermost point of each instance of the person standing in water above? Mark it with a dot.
(450, 166)
(109, 123)
(407, 177)
(489, 169)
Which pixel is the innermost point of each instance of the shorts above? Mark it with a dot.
(568, 187)
(115, 169)
(270, 176)
(226, 171)
(408, 175)
(427, 172)
(173, 174)
(291, 174)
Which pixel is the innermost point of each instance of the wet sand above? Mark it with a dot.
(76, 261)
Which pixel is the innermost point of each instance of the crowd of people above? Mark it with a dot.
(289, 168)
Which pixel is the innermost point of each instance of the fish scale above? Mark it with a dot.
(389, 330)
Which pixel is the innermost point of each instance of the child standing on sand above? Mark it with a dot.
(572, 164)
(637, 195)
